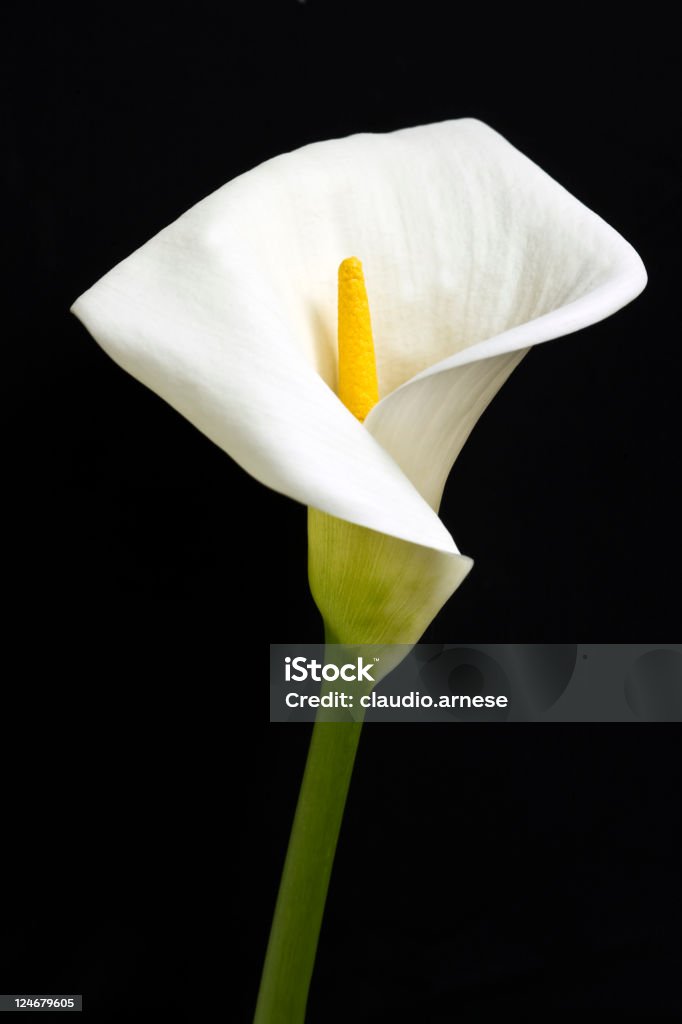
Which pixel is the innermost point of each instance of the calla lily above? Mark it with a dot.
(472, 255)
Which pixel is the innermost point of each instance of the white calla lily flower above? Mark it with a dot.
(472, 255)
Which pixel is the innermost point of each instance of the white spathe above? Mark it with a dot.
(472, 255)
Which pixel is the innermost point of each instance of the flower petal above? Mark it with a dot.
(468, 248)
(205, 329)
(425, 423)
(559, 268)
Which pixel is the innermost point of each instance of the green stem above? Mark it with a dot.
(303, 890)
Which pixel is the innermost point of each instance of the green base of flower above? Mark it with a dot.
(374, 589)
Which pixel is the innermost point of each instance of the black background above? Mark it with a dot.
(480, 869)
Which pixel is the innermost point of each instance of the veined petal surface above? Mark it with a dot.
(471, 253)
